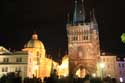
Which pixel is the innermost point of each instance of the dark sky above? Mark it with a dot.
(19, 19)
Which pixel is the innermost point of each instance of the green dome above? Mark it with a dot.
(34, 43)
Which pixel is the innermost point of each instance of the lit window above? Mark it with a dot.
(5, 69)
(18, 59)
(6, 60)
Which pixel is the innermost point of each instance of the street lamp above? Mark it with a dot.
(102, 65)
(94, 75)
(121, 80)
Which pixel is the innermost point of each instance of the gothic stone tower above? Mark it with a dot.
(83, 42)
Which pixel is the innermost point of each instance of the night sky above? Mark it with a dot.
(19, 19)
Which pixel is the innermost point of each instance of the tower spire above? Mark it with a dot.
(93, 19)
(75, 13)
(79, 12)
(93, 16)
(83, 11)
(68, 18)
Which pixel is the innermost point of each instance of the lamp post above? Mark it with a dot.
(102, 65)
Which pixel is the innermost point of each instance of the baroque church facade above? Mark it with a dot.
(83, 41)
(30, 61)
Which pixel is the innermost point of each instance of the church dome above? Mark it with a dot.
(34, 42)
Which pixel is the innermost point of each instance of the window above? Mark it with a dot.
(5, 69)
(86, 37)
(120, 72)
(107, 60)
(6, 60)
(103, 59)
(122, 65)
(119, 65)
(17, 69)
(74, 38)
(18, 59)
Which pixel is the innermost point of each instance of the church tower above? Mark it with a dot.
(83, 41)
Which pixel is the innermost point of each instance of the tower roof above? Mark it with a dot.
(93, 20)
(92, 16)
(79, 12)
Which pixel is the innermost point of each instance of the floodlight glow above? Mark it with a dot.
(94, 75)
(102, 65)
(121, 79)
(36, 67)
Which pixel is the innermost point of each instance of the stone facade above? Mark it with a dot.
(121, 69)
(31, 61)
(13, 62)
(110, 66)
(83, 43)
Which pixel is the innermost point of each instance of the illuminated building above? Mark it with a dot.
(110, 65)
(13, 62)
(83, 53)
(121, 69)
(30, 61)
(38, 64)
(83, 42)
(63, 69)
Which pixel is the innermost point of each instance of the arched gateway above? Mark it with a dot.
(83, 41)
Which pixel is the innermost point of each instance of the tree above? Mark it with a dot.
(123, 37)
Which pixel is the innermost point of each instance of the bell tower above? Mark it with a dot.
(83, 41)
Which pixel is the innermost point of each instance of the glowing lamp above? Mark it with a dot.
(94, 75)
(36, 67)
(102, 65)
(121, 79)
